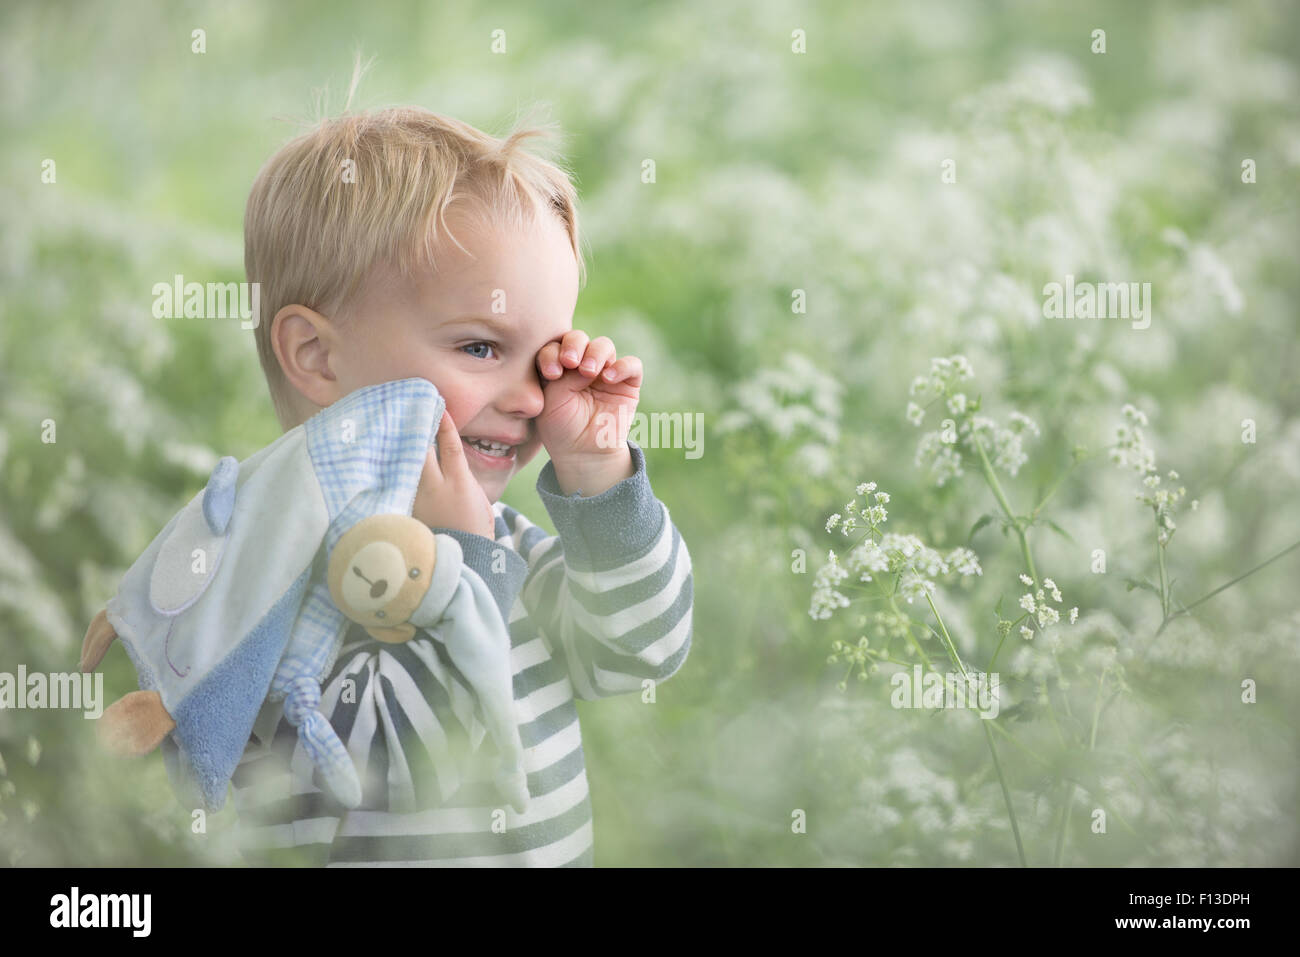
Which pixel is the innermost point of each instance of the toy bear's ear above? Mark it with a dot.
(188, 558)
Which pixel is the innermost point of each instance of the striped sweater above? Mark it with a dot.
(594, 611)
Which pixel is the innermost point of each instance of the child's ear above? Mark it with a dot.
(308, 348)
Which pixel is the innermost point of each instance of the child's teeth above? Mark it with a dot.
(491, 448)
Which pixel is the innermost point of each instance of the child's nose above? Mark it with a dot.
(527, 398)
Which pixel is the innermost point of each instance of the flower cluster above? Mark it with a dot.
(944, 376)
(1164, 501)
(1038, 608)
(873, 516)
(910, 561)
(1130, 451)
(795, 402)
(940, 451)
(859, 656)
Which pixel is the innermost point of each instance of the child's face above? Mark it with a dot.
(443, 327)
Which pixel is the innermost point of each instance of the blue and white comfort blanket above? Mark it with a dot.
(228, 607)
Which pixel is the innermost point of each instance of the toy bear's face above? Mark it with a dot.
(379, 572)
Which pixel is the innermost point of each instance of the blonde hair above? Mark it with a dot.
(370, 189)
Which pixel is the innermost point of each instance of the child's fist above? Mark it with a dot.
(590, 398)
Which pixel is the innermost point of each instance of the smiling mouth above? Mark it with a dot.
(496, 449)
(490, 454)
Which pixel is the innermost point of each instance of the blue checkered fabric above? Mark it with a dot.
(369, 448)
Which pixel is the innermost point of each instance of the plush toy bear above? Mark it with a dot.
(246, 594)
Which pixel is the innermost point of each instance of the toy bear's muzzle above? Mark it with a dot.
(380, 571)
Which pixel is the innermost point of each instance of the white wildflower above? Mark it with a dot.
(1026, 633)
(1023, 423)
(1008, 453)
(964, 562)
(929, 562)
(943, 462)
(1134, 415)
(825, 598)
(865, 558)
(1027, 602)
(1074, 615)
(981, 427)
(913, 586)
(1026, 579)
(832, 522)
(1130, 449)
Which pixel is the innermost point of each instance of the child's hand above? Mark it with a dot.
(448, 495)
(590, 399)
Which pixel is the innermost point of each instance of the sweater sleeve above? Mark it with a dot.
(612, 592)
(502, 569)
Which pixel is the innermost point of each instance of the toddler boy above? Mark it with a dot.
(398, 244)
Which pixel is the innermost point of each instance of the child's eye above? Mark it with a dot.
(475, 345)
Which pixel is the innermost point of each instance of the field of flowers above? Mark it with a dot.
(992, 321)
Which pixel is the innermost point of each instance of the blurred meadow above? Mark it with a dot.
(843, 193)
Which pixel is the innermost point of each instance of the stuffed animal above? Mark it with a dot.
(246, 594)
(392, 574)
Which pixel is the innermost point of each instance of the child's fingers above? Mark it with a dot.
(626, 370)
(548, 361)
(572, 346)
(600, 352)
(451, 454)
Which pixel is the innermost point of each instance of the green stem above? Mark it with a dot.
(1065, 698)
(998, 649)
(952, 649)
(1057, 484)
(1006, 795)
(1164, 574)
(1096, 711)
(1069, 798)
(1047, 766)
(910, 637)
(1065, 824)
(1016, 741)
(996, 488)
(1204, 598)
(895, 661)
(988, 737)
